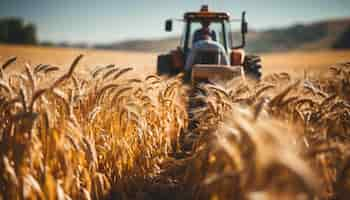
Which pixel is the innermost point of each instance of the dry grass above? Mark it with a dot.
(102, 134)
(297, 62)
(62, 57)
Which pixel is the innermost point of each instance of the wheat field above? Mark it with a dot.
(103, 126)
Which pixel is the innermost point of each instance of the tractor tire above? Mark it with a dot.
(252, 67)
(164, 66)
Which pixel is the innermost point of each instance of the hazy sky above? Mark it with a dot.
(114, 20)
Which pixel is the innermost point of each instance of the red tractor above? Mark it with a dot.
(224, 62)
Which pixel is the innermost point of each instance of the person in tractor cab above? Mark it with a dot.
(205, 30)
(206, 51)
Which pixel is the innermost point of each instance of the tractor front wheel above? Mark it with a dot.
(252, 67)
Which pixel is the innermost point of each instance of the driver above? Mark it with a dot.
(205, 30)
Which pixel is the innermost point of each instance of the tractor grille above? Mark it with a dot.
(209, 57)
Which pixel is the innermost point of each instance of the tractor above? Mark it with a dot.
(207, 63)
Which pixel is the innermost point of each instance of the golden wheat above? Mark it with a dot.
(110, 136)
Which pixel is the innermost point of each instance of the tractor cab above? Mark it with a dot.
(206, 48)
(219, 25)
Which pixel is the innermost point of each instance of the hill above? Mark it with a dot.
(319, 35)
(343, 42)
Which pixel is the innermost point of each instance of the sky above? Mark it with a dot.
(107, 21)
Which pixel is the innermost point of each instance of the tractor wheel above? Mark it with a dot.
(252, 67)
(164, 65)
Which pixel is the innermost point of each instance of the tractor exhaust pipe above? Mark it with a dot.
(244, 28)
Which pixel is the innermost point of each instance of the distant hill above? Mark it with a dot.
(320, 35)
(343, 42)
(160, 45)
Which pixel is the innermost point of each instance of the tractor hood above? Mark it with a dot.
(202, 73)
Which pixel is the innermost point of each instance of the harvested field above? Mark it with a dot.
(144, 62)
(291, 62)
(296, 62)
(91, 127)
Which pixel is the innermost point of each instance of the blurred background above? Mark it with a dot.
(138, 25)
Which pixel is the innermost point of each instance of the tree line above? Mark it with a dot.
(15, 31)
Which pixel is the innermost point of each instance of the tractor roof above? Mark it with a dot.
(205, 14)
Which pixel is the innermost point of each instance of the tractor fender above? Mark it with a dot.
(177, 58)
(237, 56)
